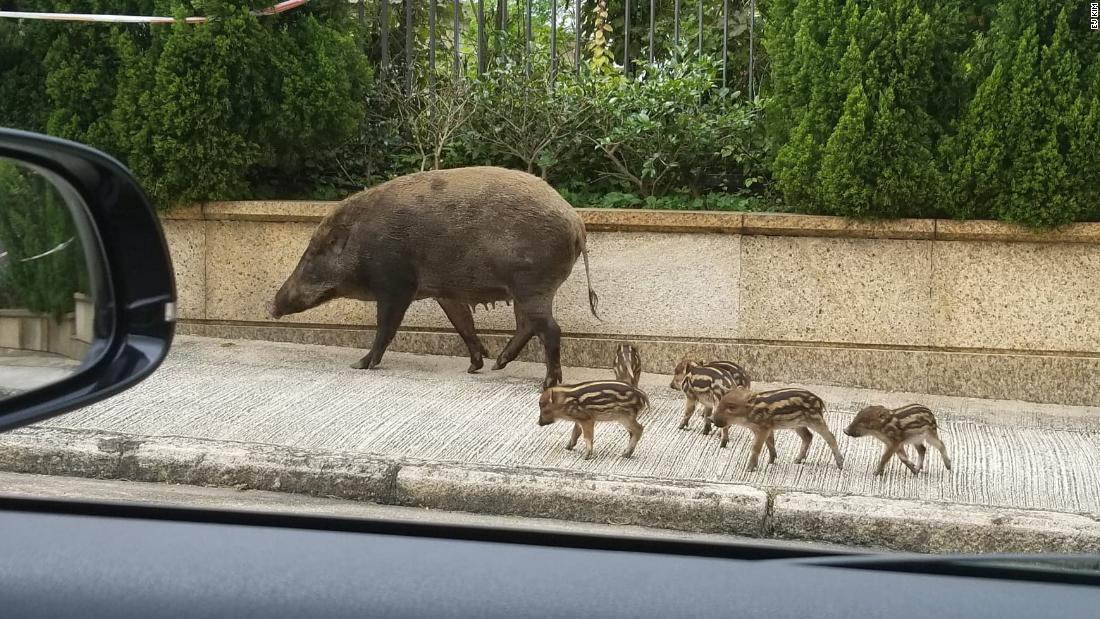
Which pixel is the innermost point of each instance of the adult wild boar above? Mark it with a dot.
(463, 237)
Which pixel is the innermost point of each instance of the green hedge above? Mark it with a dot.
(935, 108)
(196, 111)
(890, 108)
(716, 201)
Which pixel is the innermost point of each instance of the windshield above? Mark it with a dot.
(775, 269)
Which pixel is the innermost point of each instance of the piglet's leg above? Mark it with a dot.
(757, 444)
(921, 450)
(938, 444)
(906, 461)
(573, 436)
(771, 447)
(635, 429)
(887, 453)
(807, 438)
(587, 431)
(823, 430)
(689, 409)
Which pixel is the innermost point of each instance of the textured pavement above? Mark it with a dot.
(1006, 454)
(22, 370)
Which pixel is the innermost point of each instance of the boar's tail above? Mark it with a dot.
(593, 300)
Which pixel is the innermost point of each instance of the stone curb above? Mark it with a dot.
(921, 526)
(107, 455)
(906, 525)
(695, 507)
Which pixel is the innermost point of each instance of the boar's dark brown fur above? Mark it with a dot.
(463, 237)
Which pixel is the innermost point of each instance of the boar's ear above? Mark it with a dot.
(338, 237)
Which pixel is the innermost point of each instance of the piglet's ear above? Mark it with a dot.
(740, 395)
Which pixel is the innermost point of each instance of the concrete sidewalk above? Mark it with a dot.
(422, 432)
(21, 370)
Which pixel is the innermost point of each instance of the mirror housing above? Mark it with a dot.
(137, 271)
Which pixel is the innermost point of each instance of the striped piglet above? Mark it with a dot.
(705, 384)
(628, 364)
(597, 400)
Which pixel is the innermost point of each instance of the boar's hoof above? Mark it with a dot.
(475, 365)
(364, 364)
(500, 364)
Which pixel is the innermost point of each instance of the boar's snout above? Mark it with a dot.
(279, 306)
(294, 296)
(852, 431)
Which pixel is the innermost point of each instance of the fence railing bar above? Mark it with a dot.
(700, 27)
(559, 14)
(752, 40)
(481, 42)
(553, 41)
(577, 27)
(626, 37)
(676, 24)
(725, 37)
(384, 37)
(457, 27)
(409, 46)
(502, 32)
(432, 7)
(527, 37)
(652, 26)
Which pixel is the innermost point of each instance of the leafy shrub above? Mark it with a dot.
(202, 104)
(673, 202)
(22, 74)
(198, 112)
(1026, 147)
(857, 104)
(525, 121)
(909, 108)
(34, 219)
(670, 127)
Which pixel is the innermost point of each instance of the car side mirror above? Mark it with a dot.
(87, 293)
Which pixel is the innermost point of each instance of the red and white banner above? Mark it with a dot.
(139, 19)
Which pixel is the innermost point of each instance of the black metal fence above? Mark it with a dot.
(570, 18)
